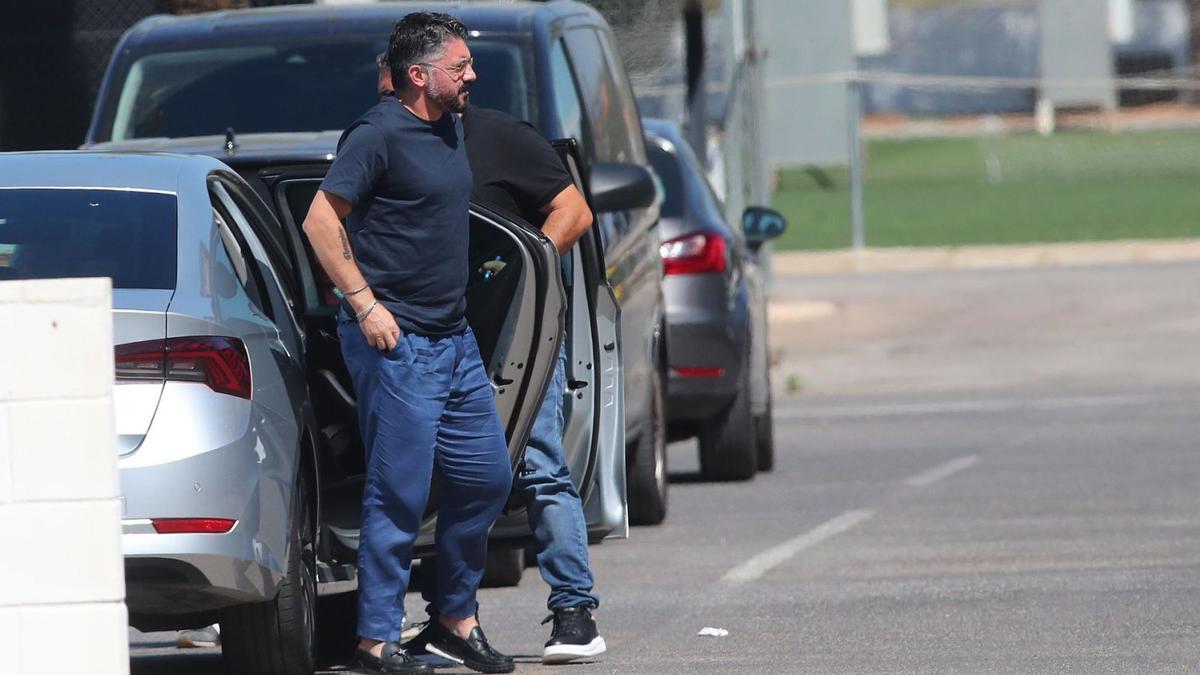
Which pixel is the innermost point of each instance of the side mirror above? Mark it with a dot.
(618, 186)
(761, 224)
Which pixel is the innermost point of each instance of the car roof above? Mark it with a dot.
(496, 16)
(74, 169)
(282, 148)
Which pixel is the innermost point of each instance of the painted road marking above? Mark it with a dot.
(942, 471)
(951, 407)
(763, 562)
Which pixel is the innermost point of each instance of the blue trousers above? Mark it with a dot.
(424, 406)
(553, 506)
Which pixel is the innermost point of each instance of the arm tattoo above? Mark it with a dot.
(345, 245)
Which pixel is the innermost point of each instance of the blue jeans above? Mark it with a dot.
(424, 406)
(553, 506)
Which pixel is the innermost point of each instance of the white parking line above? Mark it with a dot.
(763, 562)
(942, 471)
(949, 407)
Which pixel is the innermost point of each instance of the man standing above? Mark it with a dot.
(401, 182)
(516, 171)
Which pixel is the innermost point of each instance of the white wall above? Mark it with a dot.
(62, 584)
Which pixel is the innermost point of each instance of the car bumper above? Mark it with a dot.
(217, 464)
(705, 358)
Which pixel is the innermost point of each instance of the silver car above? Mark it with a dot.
(240, 487)
(215, 452)
(718, 385)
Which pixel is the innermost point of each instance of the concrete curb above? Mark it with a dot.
(791, 263)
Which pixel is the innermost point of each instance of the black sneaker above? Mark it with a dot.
(473, 652)
(393, 661)
(574, 636)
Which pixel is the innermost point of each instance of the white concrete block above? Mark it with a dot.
(57, 350)
(62, 450)
(72, 292)
(10, 636)
(5, 452)
(92, 638)
(61, 552)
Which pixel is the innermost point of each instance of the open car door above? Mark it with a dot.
(593, 402)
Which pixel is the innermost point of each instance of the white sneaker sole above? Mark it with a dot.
(565, 653)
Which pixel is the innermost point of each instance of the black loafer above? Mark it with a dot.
(393, 661)
(473, 652)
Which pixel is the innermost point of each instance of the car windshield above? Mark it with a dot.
(286, 86)
(55, 233)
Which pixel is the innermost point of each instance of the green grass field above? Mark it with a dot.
(996, 190)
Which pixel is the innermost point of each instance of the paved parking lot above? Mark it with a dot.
(979, 471)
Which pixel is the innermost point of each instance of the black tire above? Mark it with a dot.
(764, 436)
(728, 450)
(277, 637)
(504, 568)
(646, 463)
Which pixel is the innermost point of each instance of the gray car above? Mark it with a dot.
(240, 485)
(718, 385)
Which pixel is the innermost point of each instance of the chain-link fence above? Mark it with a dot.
(724, 123)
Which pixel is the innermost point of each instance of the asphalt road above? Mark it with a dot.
(978, 471)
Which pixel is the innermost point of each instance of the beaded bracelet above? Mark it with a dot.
(363, 314)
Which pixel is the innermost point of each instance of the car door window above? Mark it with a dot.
(627, 122)
(239, 256)
(567, 102)
(250, 216)
(605, 114)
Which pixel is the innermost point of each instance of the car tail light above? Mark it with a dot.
(698, 371)
(219, 362)
(698, 253)
(192, 525)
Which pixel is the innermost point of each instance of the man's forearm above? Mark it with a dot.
(567, 218)
(332, 249)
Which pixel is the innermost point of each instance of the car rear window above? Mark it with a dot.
(666, 166)
(289, 85)
(56, 233)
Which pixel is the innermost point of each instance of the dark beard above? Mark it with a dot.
(453, 102)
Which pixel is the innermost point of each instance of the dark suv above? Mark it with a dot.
(269, 91)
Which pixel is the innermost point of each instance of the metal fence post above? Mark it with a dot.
(858, 234)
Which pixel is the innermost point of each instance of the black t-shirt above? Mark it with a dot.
(516, 170)
(409, 183)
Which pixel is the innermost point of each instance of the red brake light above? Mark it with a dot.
(699, 253)
(699, 371)
(219, 362)
(192, 525)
